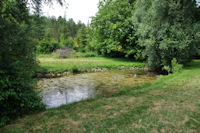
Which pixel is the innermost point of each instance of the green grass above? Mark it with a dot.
(170, 104)
(55, 64)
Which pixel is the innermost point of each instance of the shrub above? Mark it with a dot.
(174, 68)
(69, 43)
(77, 55)
(90, 54)
(47, 47)
(17, 99)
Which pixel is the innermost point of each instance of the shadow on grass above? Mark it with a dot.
(195, 64)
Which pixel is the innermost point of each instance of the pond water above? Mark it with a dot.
(74, 88)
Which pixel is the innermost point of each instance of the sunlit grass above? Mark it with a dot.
(53, 63)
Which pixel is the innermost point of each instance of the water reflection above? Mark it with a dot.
(58, 97)
(66, 90)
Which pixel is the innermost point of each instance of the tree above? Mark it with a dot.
(114, 31)
(17, 62)
(71, 27)
(57, 29)
(167, 29)
(82, 38)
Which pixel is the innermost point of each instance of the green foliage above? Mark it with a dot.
(113, 30)
(167, 68)
(82, 38)
(55, 29)
(174, 68)
(47, 47)
(59, 30)
(17, 62)
(91, 41)
(69, 43)
(167, 30)
(91, 54)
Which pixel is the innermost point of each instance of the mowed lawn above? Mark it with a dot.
(53, 63)
(170, 104)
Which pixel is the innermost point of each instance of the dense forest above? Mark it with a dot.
(163, 33)
(54, 33)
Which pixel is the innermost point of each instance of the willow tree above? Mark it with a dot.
(168, 30)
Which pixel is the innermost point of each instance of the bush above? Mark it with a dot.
(77, 55)
(46, 47)
(90, 54)
(174, 68)
(69, 43)
(17, 99)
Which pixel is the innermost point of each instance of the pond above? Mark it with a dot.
(65, 90)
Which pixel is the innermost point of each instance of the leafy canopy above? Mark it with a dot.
(113, 30)
(167, 29)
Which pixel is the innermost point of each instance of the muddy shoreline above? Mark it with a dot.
(51, 74)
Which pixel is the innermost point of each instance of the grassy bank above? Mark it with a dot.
(55, 64)
(170, 104)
